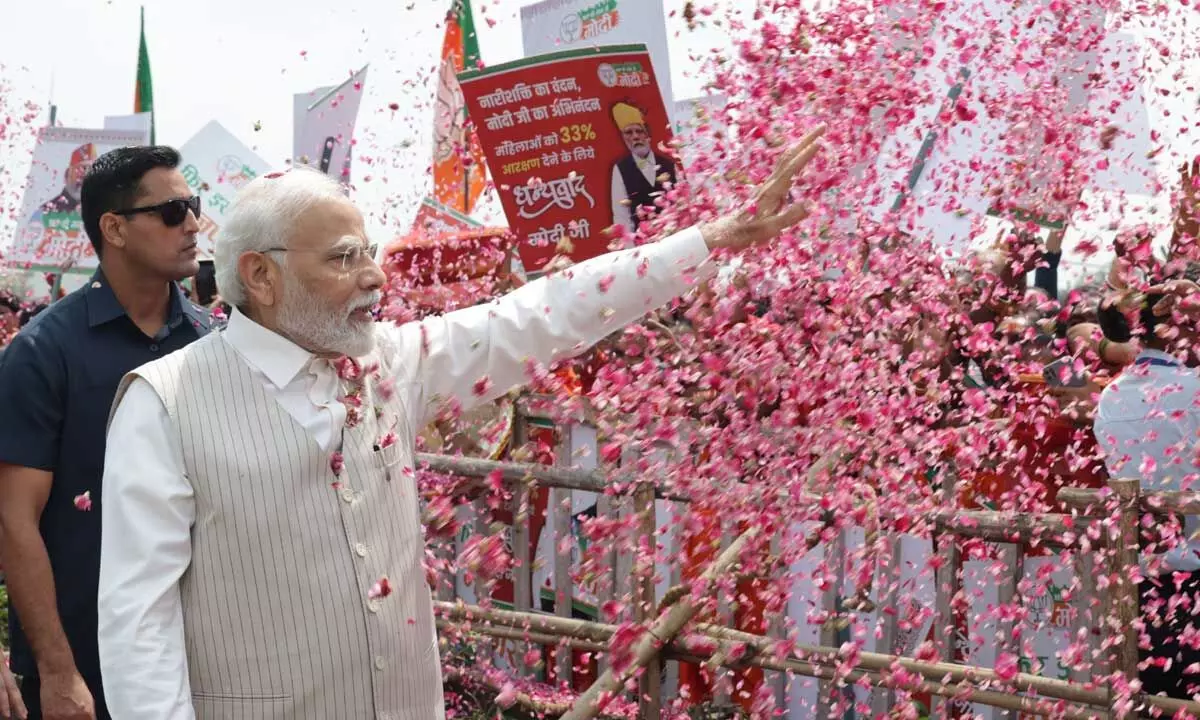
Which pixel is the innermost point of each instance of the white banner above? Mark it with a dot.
(325, 124)
(698, 123)
(51, 231)
(954, 190)
(139, 121)
(555, 25)
(216, 165)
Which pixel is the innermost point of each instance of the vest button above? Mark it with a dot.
(373, 605)
(154, 348)
(379, 663)
(360, 549)
(347, 495)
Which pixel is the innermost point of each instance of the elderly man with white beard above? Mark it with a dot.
(262, 547)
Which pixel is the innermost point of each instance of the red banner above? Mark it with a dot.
(571, 139)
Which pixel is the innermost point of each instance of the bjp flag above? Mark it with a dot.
(143, 92)
(458, 164)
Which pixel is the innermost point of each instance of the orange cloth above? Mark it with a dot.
(700, 548)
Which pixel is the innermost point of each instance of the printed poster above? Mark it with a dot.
(216, 165)
(50, 233)
(556, 25)
(571, 139)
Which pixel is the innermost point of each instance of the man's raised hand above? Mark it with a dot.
(772, 211)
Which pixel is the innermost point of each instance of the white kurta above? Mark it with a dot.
(176, 491)
(1148, 423)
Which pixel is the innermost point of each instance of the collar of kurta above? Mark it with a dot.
(1157, 358)
(280, 359)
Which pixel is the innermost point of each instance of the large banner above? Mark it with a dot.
(570, 138)
(216, 165)
(325, 125)
(953, 182)
(50, 233)
(556, 25)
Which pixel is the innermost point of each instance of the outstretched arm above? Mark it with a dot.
(478, 354)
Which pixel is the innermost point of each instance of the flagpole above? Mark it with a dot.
(466, 187)
(56, 283)
(53, 107)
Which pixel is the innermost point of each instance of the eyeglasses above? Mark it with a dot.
(346, 258)
(172, 212)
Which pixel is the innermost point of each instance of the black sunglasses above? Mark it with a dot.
(172, 212)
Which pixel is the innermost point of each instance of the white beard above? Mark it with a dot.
(307, 320)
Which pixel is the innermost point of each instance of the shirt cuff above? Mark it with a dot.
(688, 251)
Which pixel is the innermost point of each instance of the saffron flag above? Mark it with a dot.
(458, 165)
(143, 93)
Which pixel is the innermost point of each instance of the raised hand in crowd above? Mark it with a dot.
(1178, 295)
(1187, 218)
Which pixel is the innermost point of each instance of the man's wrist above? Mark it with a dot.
(717, 233)
(57, 665)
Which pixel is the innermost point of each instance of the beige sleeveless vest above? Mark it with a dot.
(279, 618)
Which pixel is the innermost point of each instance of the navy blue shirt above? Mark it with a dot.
(58, 378)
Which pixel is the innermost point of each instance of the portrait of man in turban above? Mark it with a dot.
(642, 176)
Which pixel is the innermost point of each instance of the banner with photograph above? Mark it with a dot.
(571, 141)
(216, 165)
(50, 233)
(556, 25)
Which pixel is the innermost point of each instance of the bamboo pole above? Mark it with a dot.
(564, 584)
(934, 671)
(1089, 609)
(1006, 527)
(589, 634)
(650, 644)
(548, 475)
(1007, 638)
(946, 586)
(1161, 502)
(520, 698)
(1007, 701)
(835, 565)
(1048, 529)
(582, 629)
(889, 585)
(1123, 592)
(521, 508)
(650, 684)
(531, 636)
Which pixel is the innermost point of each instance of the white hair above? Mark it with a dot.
(262, 217)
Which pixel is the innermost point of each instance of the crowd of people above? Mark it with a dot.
(15, 313)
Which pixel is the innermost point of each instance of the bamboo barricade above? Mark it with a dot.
(1086, 696)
